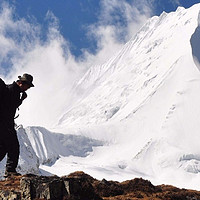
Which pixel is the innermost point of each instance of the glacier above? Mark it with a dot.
(137, 115)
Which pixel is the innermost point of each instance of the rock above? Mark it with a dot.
(81, 186)
(40, 187)
(10, 195)
(30, 187)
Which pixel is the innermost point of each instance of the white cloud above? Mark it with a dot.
(176, 2)
(118, 22)
(54, 68)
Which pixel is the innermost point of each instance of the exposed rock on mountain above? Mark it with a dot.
(81, 186)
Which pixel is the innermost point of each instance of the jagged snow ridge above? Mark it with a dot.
(49, 146)
(126, 81)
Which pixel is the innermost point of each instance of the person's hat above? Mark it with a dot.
(27, 78)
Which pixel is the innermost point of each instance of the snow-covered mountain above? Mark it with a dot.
(144, 102)
(117, 89)
(135, 116)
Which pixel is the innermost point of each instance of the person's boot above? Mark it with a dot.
(10, 174)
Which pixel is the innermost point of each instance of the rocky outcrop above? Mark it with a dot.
(81, 186)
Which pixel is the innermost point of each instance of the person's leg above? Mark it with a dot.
(13, 152)
(2, 149)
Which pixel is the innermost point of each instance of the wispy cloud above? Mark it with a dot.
(50, 61)
(118, 22)
(176, 2)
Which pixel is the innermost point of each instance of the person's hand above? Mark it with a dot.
(24, 96)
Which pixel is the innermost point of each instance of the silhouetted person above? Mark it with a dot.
(11, 97)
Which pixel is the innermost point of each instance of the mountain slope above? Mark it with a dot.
(50, 146)
(119, 87)
(144, 103)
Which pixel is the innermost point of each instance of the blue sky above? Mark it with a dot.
(75, 16)
(58, 41)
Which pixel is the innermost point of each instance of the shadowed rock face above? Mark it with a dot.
(195, 42)
(81, 186)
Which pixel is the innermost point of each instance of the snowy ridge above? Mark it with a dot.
(137, 71)
(50, 146)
